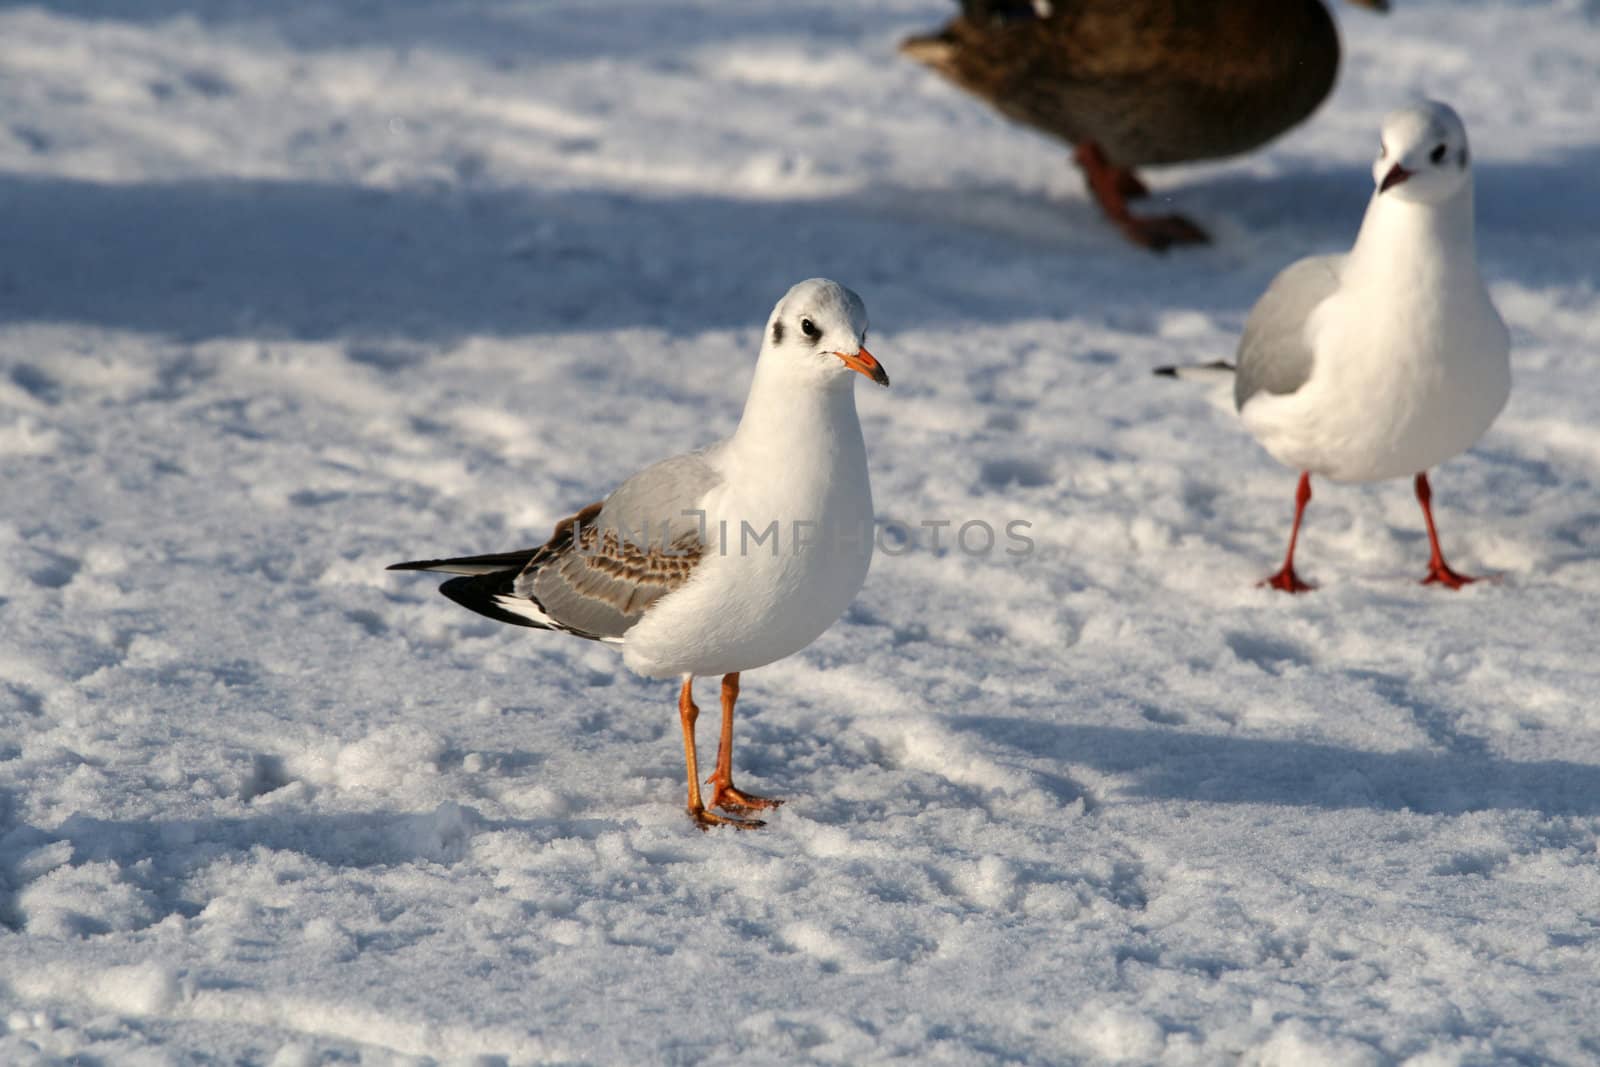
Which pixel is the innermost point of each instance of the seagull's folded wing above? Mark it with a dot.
(1275, 355)
(603, 567)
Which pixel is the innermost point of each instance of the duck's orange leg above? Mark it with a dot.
(723, 793)
(687, 714)
(1113, 186)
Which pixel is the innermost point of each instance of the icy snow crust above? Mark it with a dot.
(289, 292)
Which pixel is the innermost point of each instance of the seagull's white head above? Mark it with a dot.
(1422, 156)
(819, 328)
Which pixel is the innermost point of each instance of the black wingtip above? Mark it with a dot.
(1178, 370)
(477, 594)
(412, 565)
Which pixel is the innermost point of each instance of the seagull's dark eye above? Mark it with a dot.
(1437, 155)
(809, 328)
(1383, 150)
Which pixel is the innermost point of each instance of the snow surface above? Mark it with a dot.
(291, 291)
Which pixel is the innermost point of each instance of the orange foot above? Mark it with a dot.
(1113, 186)
(707, 819)
(1288, 581)
(1441, 573)
(725, 796)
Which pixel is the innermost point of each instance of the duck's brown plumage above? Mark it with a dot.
(1142, 81)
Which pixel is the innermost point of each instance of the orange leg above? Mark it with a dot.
(1286, 579)
(687, 714)
(1113, 186)
(1438, 570)
(723, 793)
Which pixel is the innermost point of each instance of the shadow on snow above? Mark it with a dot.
(1170, 764)
(224, 257)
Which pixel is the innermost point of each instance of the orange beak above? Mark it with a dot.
(864, 363)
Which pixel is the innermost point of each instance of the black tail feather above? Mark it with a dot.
(477, 593)
(486, 578)
(1180, 370)
(493, 563)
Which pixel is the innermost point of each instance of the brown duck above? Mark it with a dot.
(1133, 83)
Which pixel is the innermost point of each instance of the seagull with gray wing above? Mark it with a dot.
(1390, 359)
(726, 559)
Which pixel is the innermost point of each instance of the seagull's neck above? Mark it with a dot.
(789, 420)
(1404, 245)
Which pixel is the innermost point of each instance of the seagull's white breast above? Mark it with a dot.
(1390, 395)
(789, 540)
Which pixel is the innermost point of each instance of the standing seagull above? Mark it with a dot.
(1390, 359)
(725, 559)
(1132, 83)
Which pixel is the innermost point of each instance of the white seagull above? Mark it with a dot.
(725, 559)
(1388, 360)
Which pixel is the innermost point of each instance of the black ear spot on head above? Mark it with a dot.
(777, 332)
(1463, 157)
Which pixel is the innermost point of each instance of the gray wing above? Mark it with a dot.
(1274, 354)
(618, 558)
(603, 566)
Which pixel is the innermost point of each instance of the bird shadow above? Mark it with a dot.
(208, 258)
(214, 258)
(1169, 764)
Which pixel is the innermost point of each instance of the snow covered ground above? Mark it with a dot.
(289, 292)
